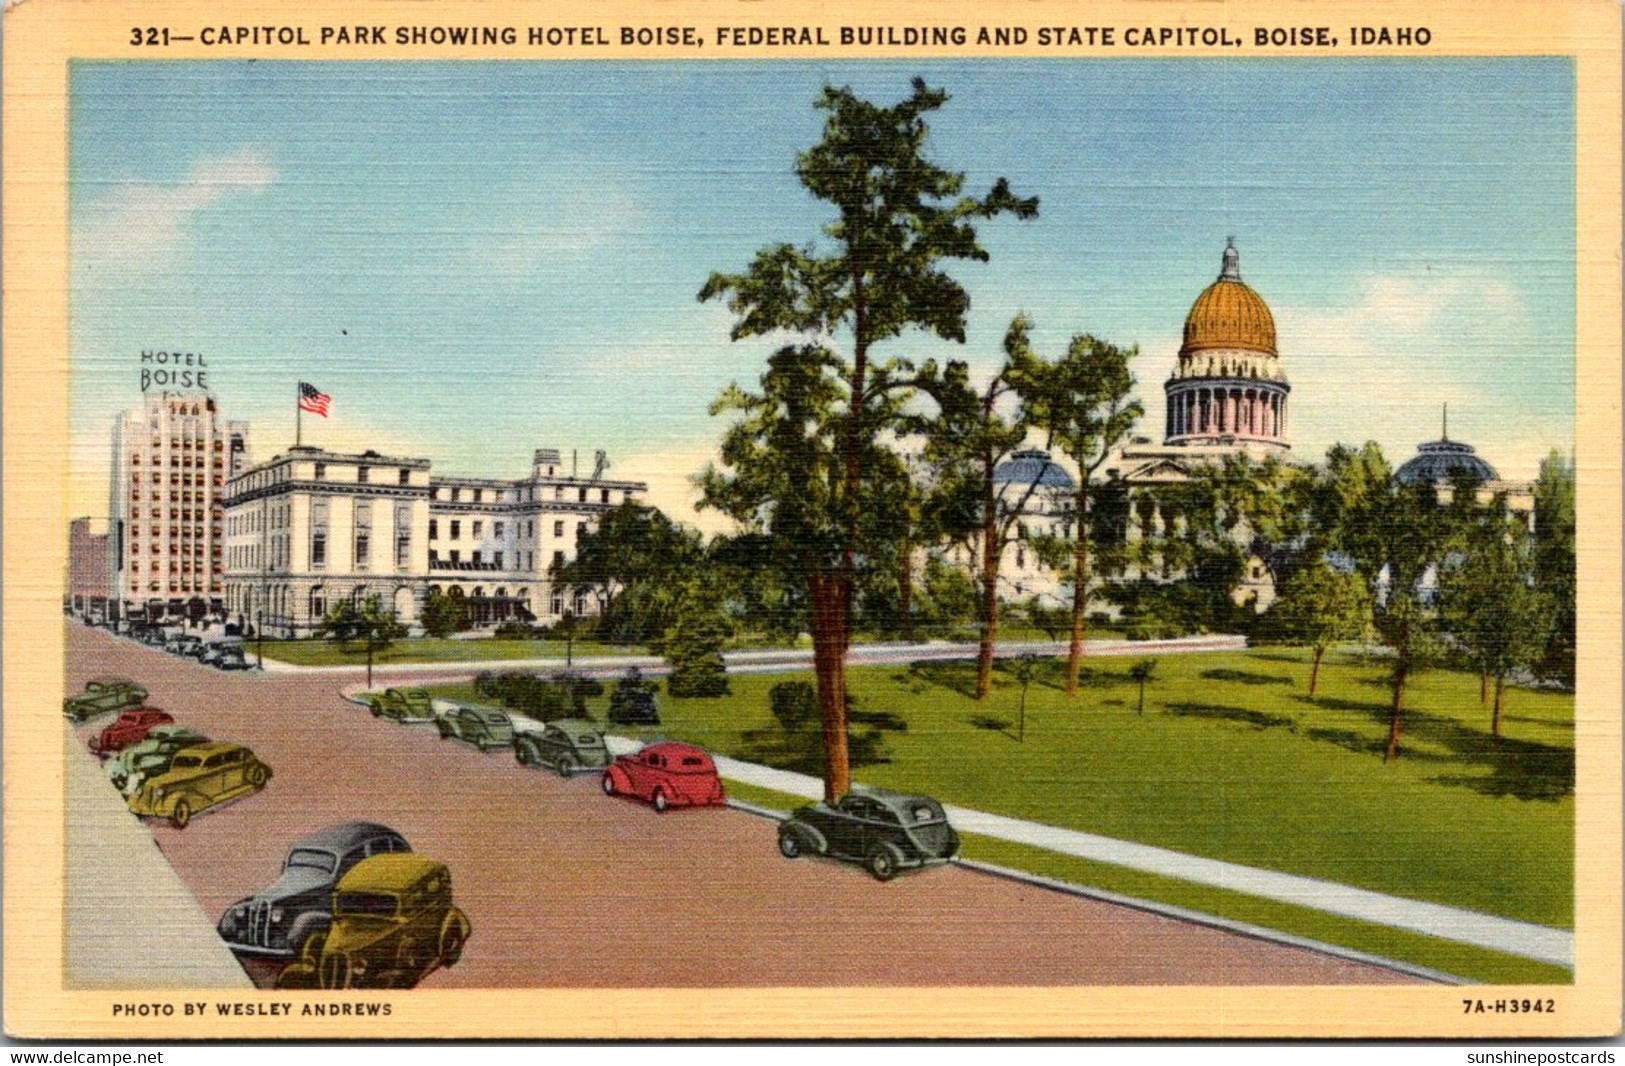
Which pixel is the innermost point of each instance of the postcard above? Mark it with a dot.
(765, 520)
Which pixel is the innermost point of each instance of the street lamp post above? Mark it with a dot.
(259, 636)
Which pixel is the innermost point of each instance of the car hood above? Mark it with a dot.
(352, 933)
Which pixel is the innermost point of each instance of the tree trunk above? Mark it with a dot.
(990, 582)
(1483, 687)
(829, 665)
(1080, 593)
(1399, 705)
(905, 588)
(1142, 698)
(1314, 671)
(1495, 718)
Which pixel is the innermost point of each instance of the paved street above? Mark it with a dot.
(565, 887)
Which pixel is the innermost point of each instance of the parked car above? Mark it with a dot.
(225, 657)
(151, 635)
(130, 727)
(632, 702)
(104, 695)
(189, 644)
(408, 706)
(886, 831)
(198, 778)
(566, 745)
(487, 728)
(278, 920)
(151, 756)
(394, 923)
(665, 775)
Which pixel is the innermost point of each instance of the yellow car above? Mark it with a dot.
(393, 925)
(198, 778)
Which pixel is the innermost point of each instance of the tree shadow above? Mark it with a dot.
(1240, 715)
(993, 725)
(1538, 721)
(802, 749)
(1245, 677)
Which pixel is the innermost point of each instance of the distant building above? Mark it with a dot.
(1443, 462)
(90, 574)
(310, 527)
(172, 457)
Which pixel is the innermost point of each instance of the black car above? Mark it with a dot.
(278, 921)
(886, 831)
(633, 701)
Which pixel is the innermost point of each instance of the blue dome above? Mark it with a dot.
(1030, 466)
(1444, 460)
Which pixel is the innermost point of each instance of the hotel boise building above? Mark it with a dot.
(309, 528)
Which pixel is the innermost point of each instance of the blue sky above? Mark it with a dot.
(475, 259)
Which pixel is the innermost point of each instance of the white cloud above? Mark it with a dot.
(142, 220)
(575, 225)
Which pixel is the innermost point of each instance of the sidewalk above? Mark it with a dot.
(777, 660)
(131, 922)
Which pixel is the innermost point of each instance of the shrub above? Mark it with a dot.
(794, 705)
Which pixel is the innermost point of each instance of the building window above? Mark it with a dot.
(479, 527)
(604, 495)
(558, 558)
(321, 471)
(496, 557)
(456, 556)
(478, 495)
(318, 533)
(582, 495)
(434, 557)
(406, 477)
(476, 557)
(581, 530)
(403, 535)
(361, 475)
(434, 529)
(456, 494)
(496, 529)
(456, 530)
(558, 529)
(557, 603)
(363, 533)
(530, 527)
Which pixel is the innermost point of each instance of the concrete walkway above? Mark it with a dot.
(1432, 919)
(776, 660)
(131, 921)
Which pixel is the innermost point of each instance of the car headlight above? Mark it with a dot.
(358, 966)
(276, 914)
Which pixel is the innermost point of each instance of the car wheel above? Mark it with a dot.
(660, 801)
(881, 863)
(377, 711)
(118, 781)
(256, 775)
(523, 755)
(566, 766)
(789, 846)
(451, 942)
(181, 815)
(311, 951)
(609, 785)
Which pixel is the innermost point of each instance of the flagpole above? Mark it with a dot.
(298, 416)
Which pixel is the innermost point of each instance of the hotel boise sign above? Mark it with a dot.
(166, 370)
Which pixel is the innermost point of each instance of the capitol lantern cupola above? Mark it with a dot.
(1228, 388)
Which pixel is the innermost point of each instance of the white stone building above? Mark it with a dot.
(311, 527)
(172, 458)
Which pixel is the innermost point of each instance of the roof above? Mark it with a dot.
(1444, 460)
(893, 799)
(1229, 314)
(341, 838)
(673, 747)
(1032, 466)
(575, 725)
(208, 749)
(486, 712)
(388, 873)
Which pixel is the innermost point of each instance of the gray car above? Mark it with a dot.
(566, 746)
(281, 919)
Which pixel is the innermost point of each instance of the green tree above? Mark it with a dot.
(797, 457)
(1319, 606)
(1142, 673)
(1554, 561)
(443, 615)
(368, 627)
(1083, 402)
(631, 564)
(693, 644)
(1490, 605)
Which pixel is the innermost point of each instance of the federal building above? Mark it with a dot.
(310, 528)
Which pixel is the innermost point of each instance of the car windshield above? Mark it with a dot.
(692, 760)
(312, 859)
(186, 762)
(375, 904)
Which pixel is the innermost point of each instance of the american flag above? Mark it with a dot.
(313, 399)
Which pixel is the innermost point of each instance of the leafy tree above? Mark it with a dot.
(1554, 561)
(1083, 403)
(367, 627)
(1141, 673)
(1490, 604)
(443, 615)
(949, 597)
(797, 458)
(693, 644)
(1051, 621)
(631, 564)
(1319, 606)
(794, 705)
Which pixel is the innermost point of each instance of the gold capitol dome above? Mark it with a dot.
(1230, 315)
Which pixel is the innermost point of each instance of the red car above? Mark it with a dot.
(130, 727)
(666, 775)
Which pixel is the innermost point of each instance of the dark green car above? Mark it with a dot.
(408, 706)
(886, 831)
(104, 695)
(566, 745)
(487, 728)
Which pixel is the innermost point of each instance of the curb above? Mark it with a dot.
(1182, 914)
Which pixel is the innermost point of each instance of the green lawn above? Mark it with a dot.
(1230, 760)
(433, 650)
